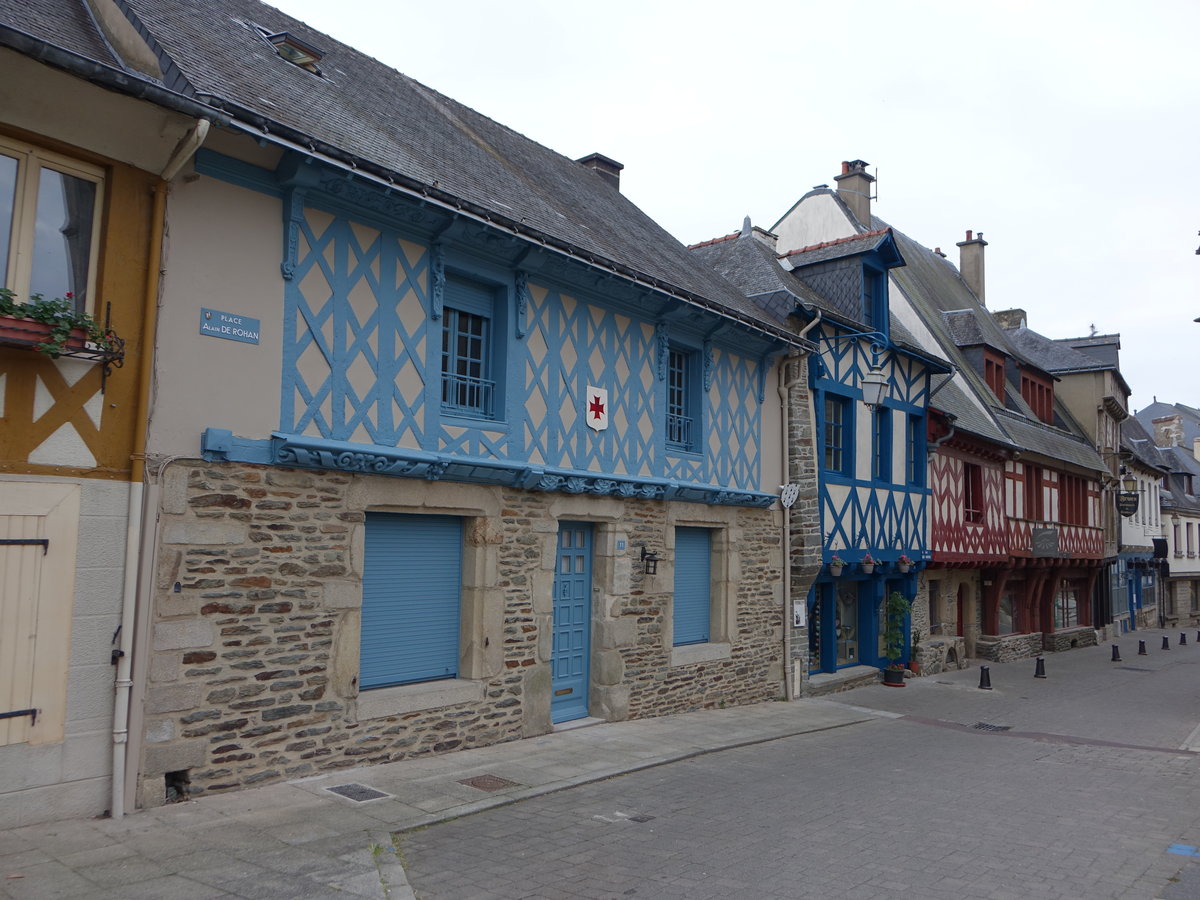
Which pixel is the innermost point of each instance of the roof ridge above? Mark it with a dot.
(834, 242)
(716, 240)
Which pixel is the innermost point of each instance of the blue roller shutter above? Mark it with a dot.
(412, 587)
(693, 585)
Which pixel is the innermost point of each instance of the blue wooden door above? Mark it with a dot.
(572, 622)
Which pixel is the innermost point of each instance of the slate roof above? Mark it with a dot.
(754, 268)
(1157, 410)
(956, 320)
(1053, 356)
(1103, 348)
(362, 111)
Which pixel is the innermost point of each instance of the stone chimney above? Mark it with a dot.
(970, 263)
(1168, 430)
(854, 187)
(1010, 318)
(609, 169)
(1196, 447)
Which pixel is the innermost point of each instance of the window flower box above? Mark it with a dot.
(56, 328)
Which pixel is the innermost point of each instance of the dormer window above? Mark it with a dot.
(993, 373)
(1039, 394)
(296, 51)
(874, 297)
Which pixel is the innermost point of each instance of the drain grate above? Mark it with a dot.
(640, 819)
(359, 793)
(988, 726)
(489, 782)
(1134, 669)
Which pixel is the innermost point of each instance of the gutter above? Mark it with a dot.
(135, 517)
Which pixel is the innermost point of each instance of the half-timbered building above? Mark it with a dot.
(82, 194)
(1016, 530)
(449, 444)
(870, 387)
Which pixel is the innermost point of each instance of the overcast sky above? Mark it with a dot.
(1067, 132)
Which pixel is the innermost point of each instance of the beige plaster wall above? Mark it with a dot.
(818, 219)
(203, 381)
(52, 103)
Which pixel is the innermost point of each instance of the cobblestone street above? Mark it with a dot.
(916, 802)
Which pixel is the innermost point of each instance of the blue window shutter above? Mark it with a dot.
(412, 588)
(693, 585)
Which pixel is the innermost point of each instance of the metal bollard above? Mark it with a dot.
(985, 678)
(1183, 639)
(1040, 670)
(1116, 657)
(1142, 649)
(1166, 643)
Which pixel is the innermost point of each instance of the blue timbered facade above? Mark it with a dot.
(451, 444)
(870, 395)
(869, 391)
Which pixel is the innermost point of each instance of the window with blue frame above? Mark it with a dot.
(881, 445)
(692, 618)
(683, 420)
(875, 300)
(838, 435)
(915, 451)
(412, 593)
(468, 349)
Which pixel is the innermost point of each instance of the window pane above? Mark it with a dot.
(8, 192)
(62, 241)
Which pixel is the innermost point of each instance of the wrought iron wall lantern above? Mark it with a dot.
(874, 383)
(650, 561)
(1127, 497)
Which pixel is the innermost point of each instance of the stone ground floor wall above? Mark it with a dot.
(1069, 639)
(254, 633)
(1182, 605)
(71, 777)
(1007, 647)
(935, 616)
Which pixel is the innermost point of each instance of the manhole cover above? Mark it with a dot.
(640, 819)
(359, 793)
(988, 726)
(1134, 669)
(489, 782)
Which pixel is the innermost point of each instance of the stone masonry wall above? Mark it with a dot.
(252, 673)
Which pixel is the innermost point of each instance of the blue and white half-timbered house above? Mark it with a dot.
(449, 443)
(870, 389)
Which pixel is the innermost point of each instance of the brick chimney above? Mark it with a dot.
(1168, 430)
(854, 187)
(970, 263)
(609, 169)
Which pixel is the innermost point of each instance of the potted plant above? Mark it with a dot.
(836, 564)
(904, 564)
(895, 612)
(914, 654)
(53, 326)
(868, 563)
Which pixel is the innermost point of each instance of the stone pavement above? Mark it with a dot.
(1087, 794)
(1090, 793)
(298, 840)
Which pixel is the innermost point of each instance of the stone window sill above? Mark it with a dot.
(690, 654)
(380, 703)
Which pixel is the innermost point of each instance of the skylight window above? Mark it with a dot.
(295, 50)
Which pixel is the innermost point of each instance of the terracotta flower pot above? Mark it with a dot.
(27, 333)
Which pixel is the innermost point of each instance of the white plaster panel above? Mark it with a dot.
(101, 542)
(98, 590)
(812, 221)
(63, 448)
(90, 692)
(227, 384)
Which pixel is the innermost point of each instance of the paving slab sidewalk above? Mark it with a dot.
(299, 840)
